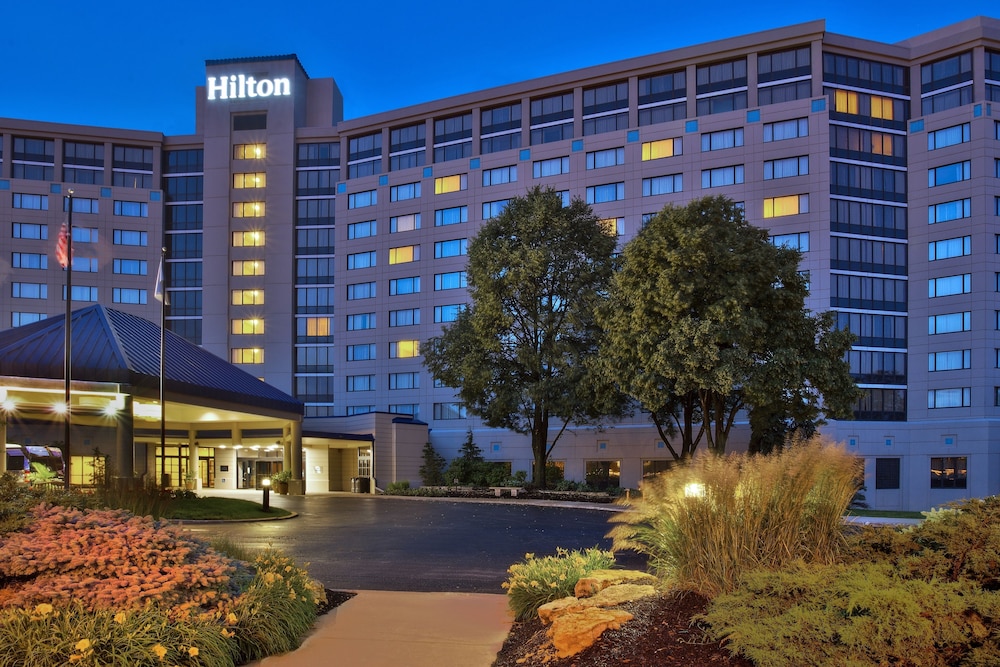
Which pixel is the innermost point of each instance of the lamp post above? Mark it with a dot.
(266, 483)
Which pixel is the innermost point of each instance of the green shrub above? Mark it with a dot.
(843, 615)
(536, 581)
(705, 523)
(398, 488)
(50, 637)
(961, 541)
(276, 610)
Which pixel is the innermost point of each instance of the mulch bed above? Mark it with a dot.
(662, 634)
(333, 600)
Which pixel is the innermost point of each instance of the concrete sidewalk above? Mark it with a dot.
(376, 628)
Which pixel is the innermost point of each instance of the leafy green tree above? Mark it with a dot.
(518, 355)
(707, 318)
(432, 469)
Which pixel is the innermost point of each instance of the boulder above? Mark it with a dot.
(598, 580)
(572, 633)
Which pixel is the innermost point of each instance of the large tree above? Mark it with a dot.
(519, 354)
(707, 318)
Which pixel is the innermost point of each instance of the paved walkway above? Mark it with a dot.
(386, 628)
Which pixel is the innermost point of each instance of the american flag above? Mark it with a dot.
(63, 248)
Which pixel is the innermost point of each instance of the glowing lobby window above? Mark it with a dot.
(247, 355)
(248, 326)
(248, 297)
(654, 150)
(248, 209)
(776, 207)
(404, 254)
(250, 239)
(250, 180)
(445, 184)
(249, 151)
(404, 349)
(248, 267)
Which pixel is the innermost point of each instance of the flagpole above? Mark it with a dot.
(163, 339)
(68, 342)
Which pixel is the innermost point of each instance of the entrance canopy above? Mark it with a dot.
(116, 382)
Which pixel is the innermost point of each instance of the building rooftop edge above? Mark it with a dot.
(257, 59)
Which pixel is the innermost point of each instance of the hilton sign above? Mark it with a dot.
(241, 86)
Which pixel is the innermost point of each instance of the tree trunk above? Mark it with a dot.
(539, 437)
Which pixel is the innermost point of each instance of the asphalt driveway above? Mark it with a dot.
(355, 542)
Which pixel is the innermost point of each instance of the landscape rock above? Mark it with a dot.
(572, 633)
(598, 580)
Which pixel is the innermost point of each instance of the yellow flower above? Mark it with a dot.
(193, 651)
(43, 608)
(160, 651)
(120, 618)
(231, 619)
(228, 633)
(83, 645)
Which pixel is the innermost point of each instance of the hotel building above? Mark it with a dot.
(318, 252)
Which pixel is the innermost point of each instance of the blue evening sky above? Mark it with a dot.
(135, 64)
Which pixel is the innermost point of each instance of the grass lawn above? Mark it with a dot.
(218, 508)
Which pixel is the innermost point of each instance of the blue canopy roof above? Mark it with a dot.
(113, 346)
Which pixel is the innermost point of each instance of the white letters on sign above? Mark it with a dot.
(241, 86)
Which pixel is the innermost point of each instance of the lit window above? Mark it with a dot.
(249, 151)
(318, 326)
(248, 326)
(845, 101)
(404, 223)
(248, 239)
(882, 107)
(776, 207)
(247, 355)
(404, 254)
(404, 349)
(654, 150)
(248, 209)
(613, 226)
(248, 297)
(250, 180)
(248, 267)
(444, 184)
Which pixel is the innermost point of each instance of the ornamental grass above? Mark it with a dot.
(703, 524)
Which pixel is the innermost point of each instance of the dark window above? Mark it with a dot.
(949, 472)
(256, 121)
(886, 473)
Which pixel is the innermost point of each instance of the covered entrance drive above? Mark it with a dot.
(222, 427)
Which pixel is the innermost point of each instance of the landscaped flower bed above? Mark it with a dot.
(104, 587)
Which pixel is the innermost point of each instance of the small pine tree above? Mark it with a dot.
(432, 471)
(466, 466)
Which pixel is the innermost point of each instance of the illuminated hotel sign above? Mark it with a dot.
(241, 86)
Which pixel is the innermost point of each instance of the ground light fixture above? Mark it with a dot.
(266, 484)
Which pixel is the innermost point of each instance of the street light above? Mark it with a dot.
(266, 483)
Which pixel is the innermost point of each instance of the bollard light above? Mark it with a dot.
(266, 483)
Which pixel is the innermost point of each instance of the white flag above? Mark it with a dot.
(158, 292)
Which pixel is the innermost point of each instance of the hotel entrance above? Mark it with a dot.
(173, 463)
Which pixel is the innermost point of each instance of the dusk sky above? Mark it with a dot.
(135, 65)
